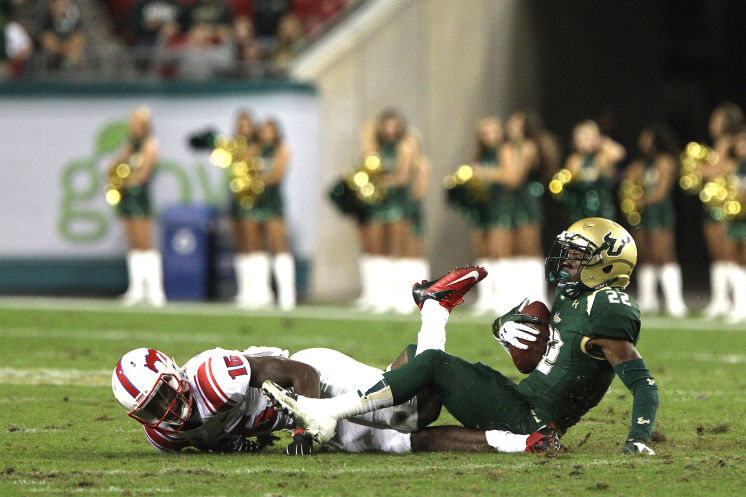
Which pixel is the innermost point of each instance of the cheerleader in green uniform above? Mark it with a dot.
(592, 166)
(726, 119)
(491, 220)
(144, 267)
(735, 169)
(413, 265)
(529, 155)
(247, 263)
(383, 226)
(656, 171)
(262, 229)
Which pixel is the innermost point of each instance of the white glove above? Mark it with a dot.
(511, 331)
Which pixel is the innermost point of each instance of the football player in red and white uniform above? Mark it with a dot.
(214, 402)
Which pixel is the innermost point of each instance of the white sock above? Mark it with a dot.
(485, 293)
(353, 403)
(364, 266)
(135, 288)
(719, 302)
(535, 275)
(432, 333)
(404, 274)
(257, 267)
(420, 270)
(505, 441)
(673, 289)
(153, 277)
(513, 282)
(243, 278)
(284, 269)
(383, 286)
(738, 281)
(731, 272)
(647, 293)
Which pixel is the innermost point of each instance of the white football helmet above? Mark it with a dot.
(152, 388)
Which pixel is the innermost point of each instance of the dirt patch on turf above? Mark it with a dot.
(713, 430)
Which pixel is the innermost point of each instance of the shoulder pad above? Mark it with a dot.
(614, 314)
(222, 378)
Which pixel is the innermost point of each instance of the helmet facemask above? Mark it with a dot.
(570, 246)
(167, 406)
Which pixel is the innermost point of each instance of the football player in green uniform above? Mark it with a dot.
(594, 329)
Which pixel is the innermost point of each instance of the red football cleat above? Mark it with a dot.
(545, 439)
(450, 289)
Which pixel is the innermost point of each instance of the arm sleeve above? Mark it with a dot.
(636, 377)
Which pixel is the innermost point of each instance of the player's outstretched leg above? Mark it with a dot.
(395, 387)
(448, 290)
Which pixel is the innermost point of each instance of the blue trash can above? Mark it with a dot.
(188, 242)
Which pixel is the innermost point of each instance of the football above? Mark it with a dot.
(527, 360)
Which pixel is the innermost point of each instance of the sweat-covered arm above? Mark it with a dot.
(631, 369)
(304, 379)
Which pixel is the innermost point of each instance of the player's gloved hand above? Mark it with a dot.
(632, 447)
(507, 328)
(510, 333)
(513, 315)
(302, 444)
(241, 445)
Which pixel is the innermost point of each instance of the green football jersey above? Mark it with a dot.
(570, 379)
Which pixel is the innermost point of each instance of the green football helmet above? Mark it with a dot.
(606, 251)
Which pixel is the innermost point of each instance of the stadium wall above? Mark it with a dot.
(57, 233)
(444, 64)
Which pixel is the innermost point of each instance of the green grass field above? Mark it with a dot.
(62, 432)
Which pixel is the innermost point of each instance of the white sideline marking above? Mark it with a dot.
(50, 376)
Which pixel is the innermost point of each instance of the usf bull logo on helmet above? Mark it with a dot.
(606, 251)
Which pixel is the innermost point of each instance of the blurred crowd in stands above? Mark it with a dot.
(194, 39)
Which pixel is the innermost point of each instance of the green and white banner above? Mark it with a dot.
(58, 141)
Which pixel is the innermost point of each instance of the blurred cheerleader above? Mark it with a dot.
(491, 220)
(530, 155)
(592, 167)
(735, 169)
(144, 265)
(245, 262)
(726, 119)
(413, 265)
(259, 227)
(655, 170)
(383, 226)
